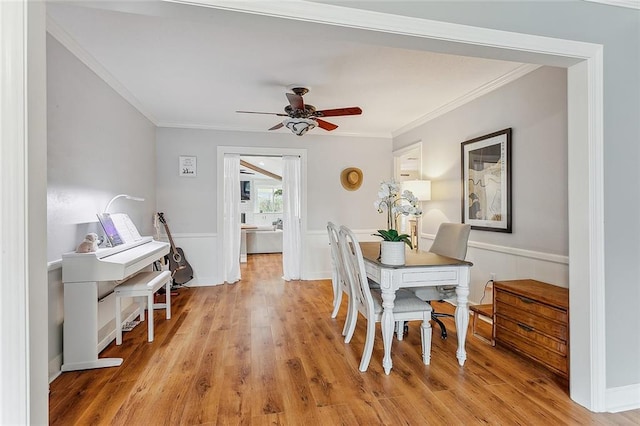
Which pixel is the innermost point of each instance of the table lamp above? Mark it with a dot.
(421, 189)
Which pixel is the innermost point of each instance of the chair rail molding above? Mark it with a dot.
(532, 254)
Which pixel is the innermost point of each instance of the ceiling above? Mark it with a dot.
(191, 66)
(270, 164)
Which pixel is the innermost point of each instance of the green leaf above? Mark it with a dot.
(392, 235)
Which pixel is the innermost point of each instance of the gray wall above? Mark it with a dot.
(98, 146)
(191, 203)
(618, 30)
(535, 107)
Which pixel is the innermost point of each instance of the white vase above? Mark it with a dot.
(392, 252)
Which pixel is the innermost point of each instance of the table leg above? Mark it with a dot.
(387, 325)
(462, 314)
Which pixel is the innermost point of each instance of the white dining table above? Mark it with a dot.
(420, 269)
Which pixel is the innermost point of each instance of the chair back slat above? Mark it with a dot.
(356, 272)
(339, 274)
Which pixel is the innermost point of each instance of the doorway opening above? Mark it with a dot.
(267, 207)
(261, 205)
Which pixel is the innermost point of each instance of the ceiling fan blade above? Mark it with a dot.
(338, 111)
(326, 125)
(268, 113)
(296, 101)
(277, 126)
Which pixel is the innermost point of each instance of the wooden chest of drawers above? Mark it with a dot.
(532, 318)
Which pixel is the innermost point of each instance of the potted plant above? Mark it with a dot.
(394, 204)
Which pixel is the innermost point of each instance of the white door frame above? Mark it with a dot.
(260, 151)
(23, 214)
(585, 146)
(14, 267)
(400, 152)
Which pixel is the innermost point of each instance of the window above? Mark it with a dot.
(268, 197)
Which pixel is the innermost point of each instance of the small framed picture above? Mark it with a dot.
(188, 166)
(486, 182)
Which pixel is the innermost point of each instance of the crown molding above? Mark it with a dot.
(242, 129)
(468, 97)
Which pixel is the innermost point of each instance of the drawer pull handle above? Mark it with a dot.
(525, 327)
(525, 300)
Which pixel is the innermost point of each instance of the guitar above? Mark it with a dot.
(180, 269)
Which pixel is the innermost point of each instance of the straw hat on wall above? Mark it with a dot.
(351, 178)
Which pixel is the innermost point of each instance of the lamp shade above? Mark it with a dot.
(420, 188)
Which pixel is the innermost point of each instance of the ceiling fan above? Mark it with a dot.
(301, 118)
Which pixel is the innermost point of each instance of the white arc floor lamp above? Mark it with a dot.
(128, 197)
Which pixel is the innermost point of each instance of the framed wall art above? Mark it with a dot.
(188, 166)
(486, 182)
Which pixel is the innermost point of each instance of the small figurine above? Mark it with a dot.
(89, 245)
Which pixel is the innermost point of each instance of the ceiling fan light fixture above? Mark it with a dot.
(299, 126)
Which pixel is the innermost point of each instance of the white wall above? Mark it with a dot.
(98, 146)
(535, 106)
(190, 204)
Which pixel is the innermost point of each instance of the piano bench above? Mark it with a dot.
(141, 286)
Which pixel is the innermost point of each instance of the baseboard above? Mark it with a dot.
(202, 282)
(55, 368)
(622, 398)
(317, 276)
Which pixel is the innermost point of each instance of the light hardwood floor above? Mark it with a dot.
(264, 351)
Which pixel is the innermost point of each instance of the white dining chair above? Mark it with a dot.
(338, 275)
(368, 301)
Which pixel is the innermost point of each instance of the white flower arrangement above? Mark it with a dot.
(394, 203)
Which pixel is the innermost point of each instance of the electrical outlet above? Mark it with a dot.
(492, 276)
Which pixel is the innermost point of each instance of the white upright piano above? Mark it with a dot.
(84, 337)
